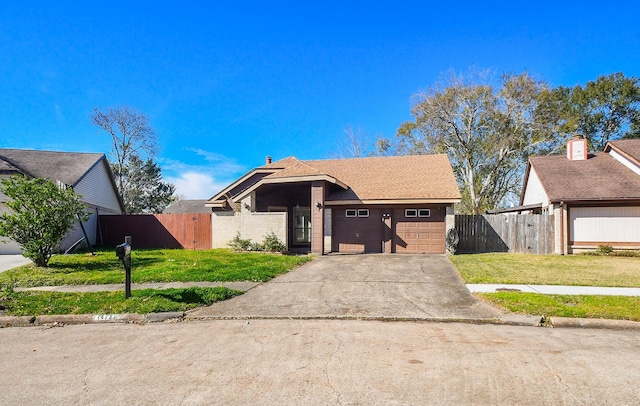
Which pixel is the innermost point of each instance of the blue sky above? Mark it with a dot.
(227, 83)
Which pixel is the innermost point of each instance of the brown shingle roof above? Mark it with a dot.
(630, 147)
(66, 167)
(381, 178)
(600, 177)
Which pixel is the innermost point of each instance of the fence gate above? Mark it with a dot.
(517, 233)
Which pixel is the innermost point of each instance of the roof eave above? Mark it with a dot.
(291, 179)
(599, 200)
(244, 177)
(393, 201)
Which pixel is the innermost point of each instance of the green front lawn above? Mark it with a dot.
(572, 270)
(147, 266)
(141, 301)
(220, 265)
(582, 306)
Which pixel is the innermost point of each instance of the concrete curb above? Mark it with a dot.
(64, 319)
(507, 319)
(568, 322)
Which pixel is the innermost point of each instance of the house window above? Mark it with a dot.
(424, 212)
(302, 224)
(351, 213)
(363, 213)
(411, 213)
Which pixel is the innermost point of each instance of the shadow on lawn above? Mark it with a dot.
(195, 295)
(102, 264)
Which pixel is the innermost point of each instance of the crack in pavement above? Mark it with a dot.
(326, 370)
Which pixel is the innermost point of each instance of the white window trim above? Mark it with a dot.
(415, 212)
(355, 213)
(364, 214)
(427, 215)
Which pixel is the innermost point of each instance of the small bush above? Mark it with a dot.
(608, 251)
(239, 244)
(256, 246)
(605, 249)
(271, 243)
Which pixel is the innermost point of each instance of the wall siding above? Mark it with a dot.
(534, 193)
(96, 189)
(604, 225)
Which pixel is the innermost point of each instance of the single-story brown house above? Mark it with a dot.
(87, 173)
(398, 204)
(595, 198)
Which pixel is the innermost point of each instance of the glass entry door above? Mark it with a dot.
(302, 225)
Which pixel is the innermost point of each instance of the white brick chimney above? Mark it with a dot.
(577, 149)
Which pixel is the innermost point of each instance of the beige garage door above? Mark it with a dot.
(420, 237)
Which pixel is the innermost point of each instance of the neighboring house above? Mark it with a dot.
(595, 198)
(377, 204)
(88, 174)
(187, 206)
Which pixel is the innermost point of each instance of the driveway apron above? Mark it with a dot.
(360, 286)
(8, 262)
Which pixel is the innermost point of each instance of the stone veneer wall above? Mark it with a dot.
(251, 225)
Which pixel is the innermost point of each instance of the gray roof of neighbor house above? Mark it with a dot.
(187, 206)
(599, 178)
(66, 167)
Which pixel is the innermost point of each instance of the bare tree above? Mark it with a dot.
(134, 143)
(355, 144)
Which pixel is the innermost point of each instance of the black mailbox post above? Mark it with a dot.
(123, 251)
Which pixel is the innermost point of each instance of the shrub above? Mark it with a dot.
(272, 243)
(255, 246)
(605, 249)
(239, 244)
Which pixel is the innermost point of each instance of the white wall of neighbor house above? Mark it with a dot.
(97, 190)
(251, 225)
(534, 193)
(605, 225)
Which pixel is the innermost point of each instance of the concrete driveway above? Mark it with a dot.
(360, 286)
(12, 261)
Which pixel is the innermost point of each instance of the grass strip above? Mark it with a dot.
(580, 306)
(141, 301)
(175, 265)
(572, 270)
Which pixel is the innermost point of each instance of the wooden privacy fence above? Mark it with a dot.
(519, 233)
(190, 231)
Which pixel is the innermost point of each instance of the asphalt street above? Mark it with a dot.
(317, 362)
